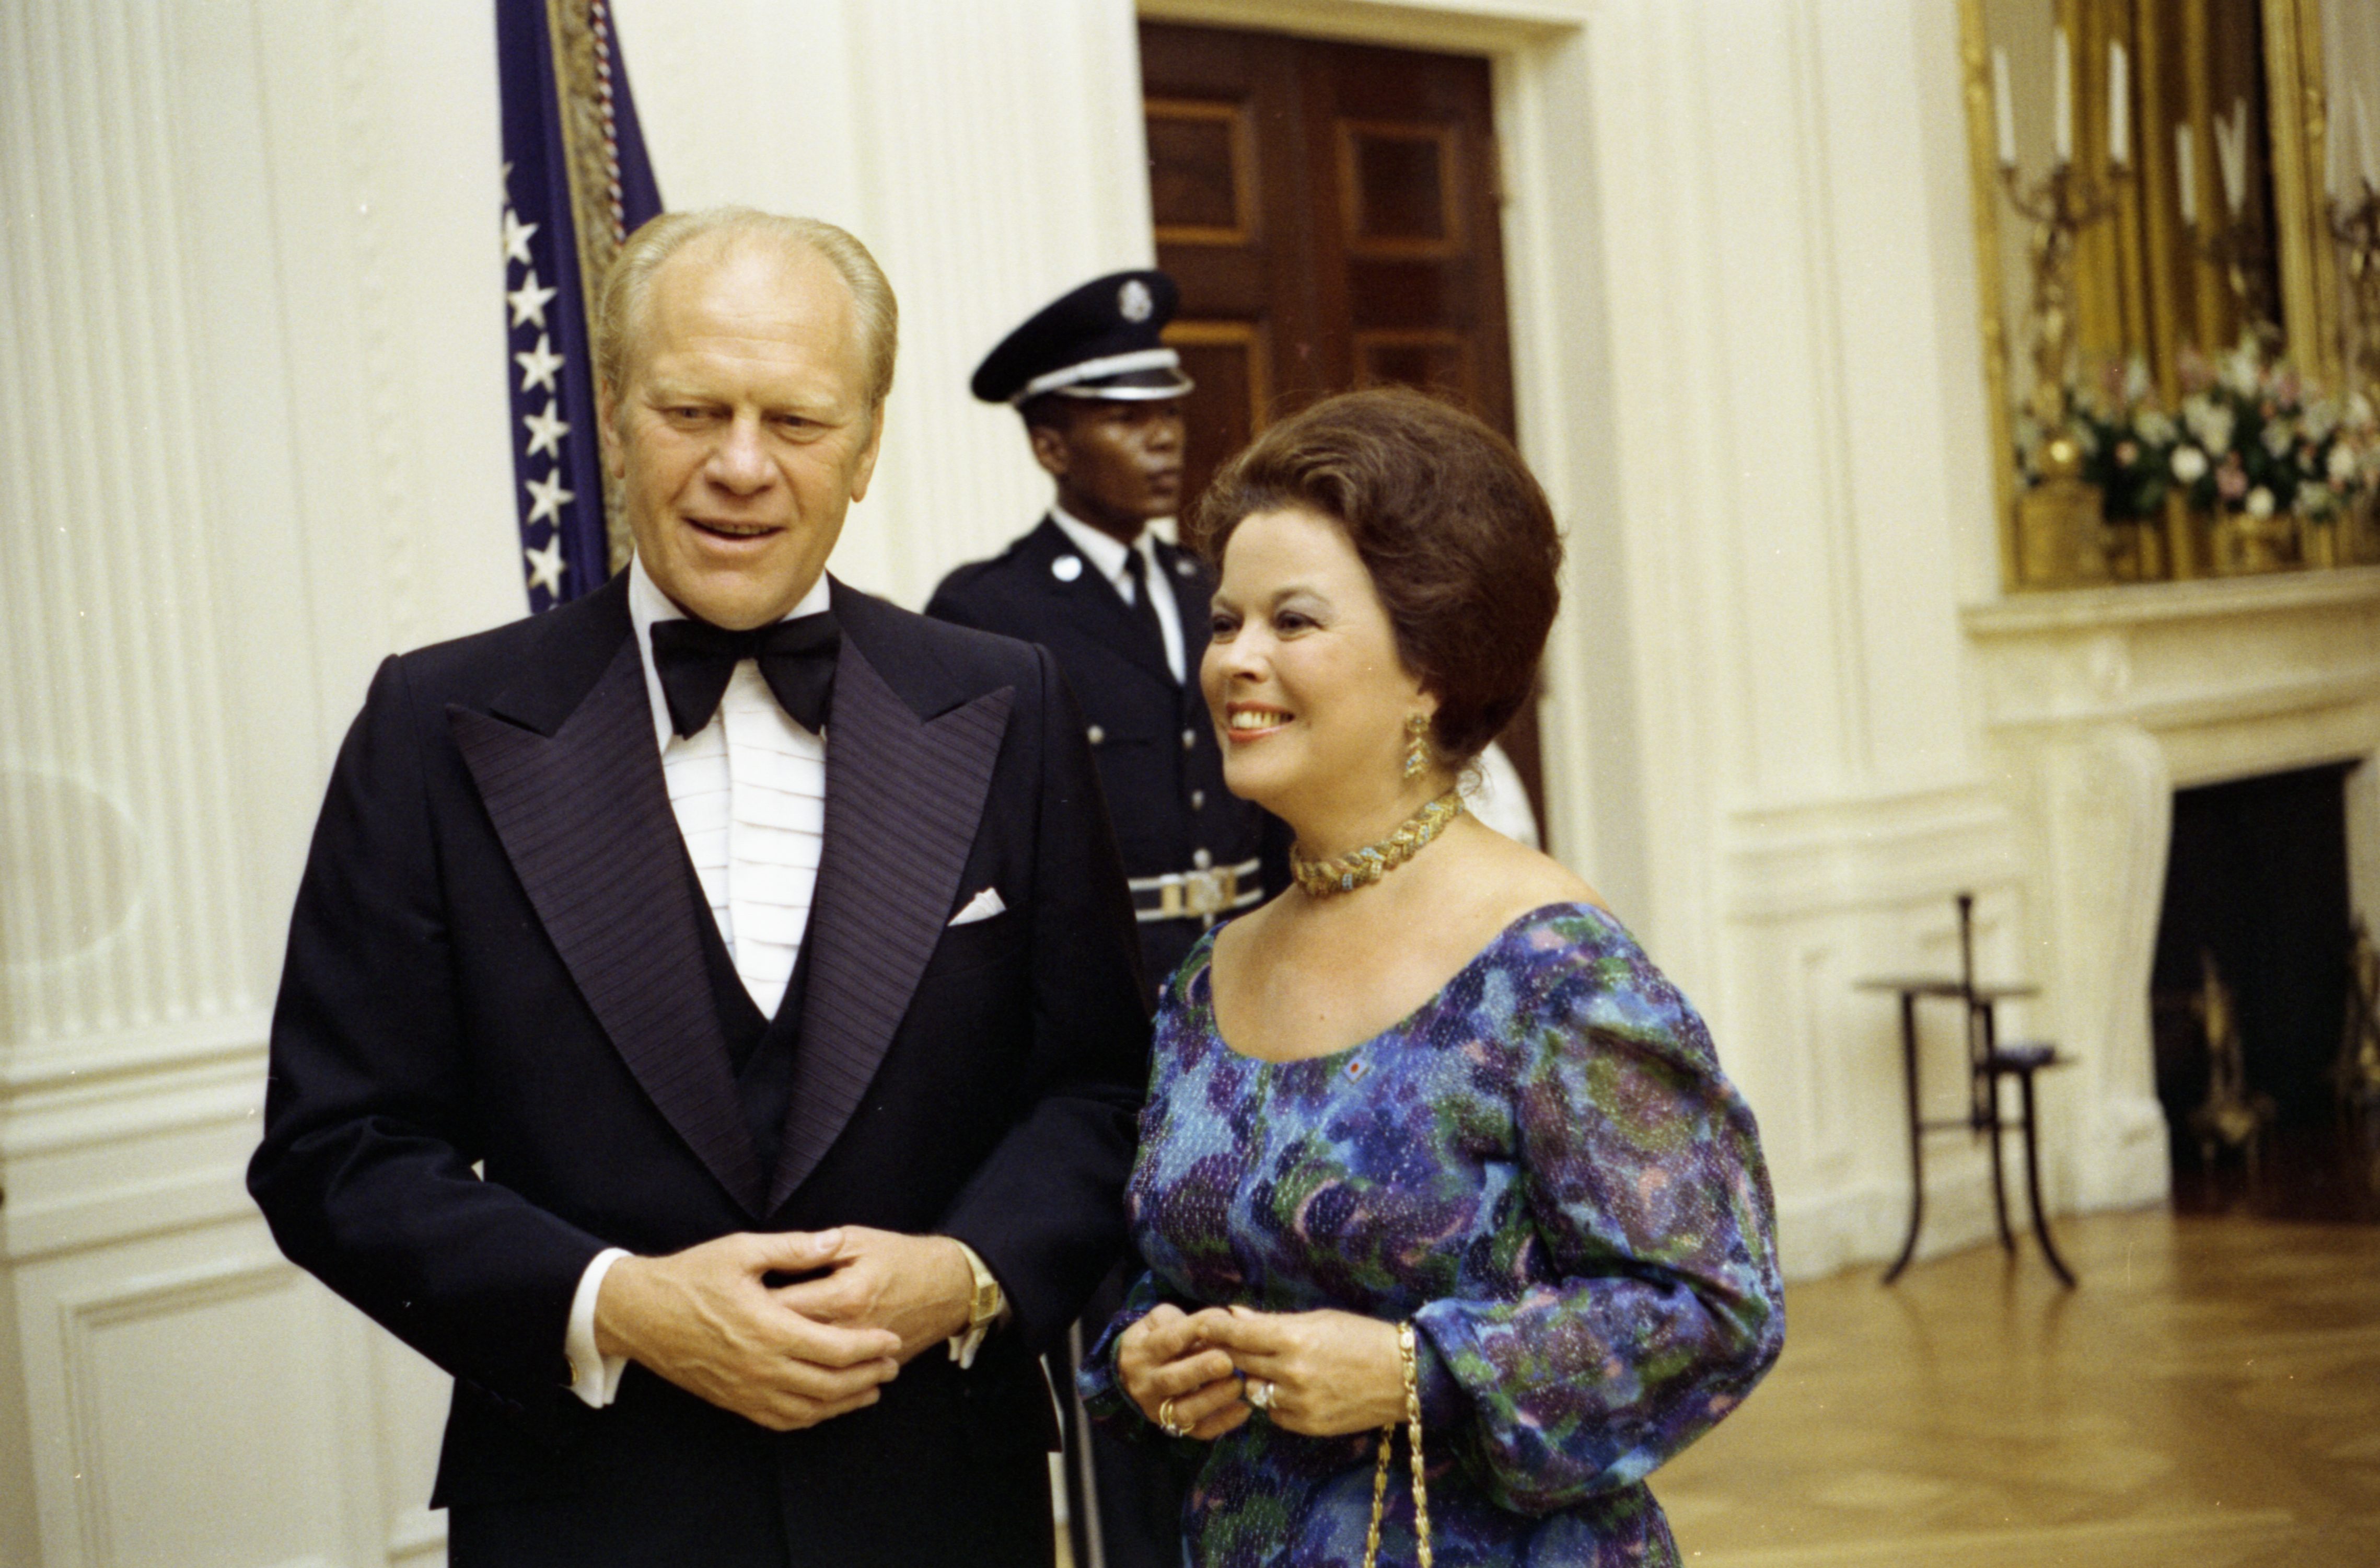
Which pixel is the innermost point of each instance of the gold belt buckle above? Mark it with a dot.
(1202, 894)
(1209, 894)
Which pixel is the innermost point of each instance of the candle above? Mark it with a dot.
(2119, 107)
(2362, 141)
(2062, 68)
(2003, 115)
(2332, 129)
(2231, 155)
(2185, 174)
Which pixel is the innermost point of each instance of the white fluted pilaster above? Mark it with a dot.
(123, 904)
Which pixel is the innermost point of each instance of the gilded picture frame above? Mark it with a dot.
(2303, 261)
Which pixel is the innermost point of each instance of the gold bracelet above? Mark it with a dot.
(1409, 1355)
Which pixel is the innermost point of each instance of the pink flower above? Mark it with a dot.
(2230, 480)
(2126, 454)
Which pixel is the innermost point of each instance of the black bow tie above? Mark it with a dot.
(695, 658)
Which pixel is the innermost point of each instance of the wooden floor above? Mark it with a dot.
(2210, 1397)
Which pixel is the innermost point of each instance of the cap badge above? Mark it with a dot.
(1134, 302)
(1067, 569)
(1184, 569)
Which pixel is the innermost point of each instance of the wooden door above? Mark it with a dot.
(1330, 210)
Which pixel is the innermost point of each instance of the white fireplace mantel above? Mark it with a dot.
(2096, 705)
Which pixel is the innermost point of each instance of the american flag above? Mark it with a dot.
(576, 183)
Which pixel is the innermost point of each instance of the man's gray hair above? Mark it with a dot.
(621, 313)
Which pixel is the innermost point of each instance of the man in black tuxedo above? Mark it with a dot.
(709, 997)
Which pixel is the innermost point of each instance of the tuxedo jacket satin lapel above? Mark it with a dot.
(576, 793)
(611, 889)
(888, 879)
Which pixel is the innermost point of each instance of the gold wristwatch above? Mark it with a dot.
(986, 1307)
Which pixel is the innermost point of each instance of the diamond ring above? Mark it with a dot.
(1166, 1422)
(1260, 1393)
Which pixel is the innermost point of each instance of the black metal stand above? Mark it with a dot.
(1988, 1062)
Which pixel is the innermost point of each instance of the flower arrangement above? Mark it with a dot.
(2121, 442)
(2251, 439)
(2255, 442)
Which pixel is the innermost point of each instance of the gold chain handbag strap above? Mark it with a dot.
(1408, 1354)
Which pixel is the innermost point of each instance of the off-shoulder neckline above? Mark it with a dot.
(1202, 976)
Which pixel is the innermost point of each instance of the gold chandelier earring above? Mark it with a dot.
(1416, 745)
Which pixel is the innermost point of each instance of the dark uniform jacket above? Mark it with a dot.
(1152, 735)
(500, 1047)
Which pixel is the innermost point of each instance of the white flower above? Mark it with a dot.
(2359, 410)
(2156, 429)
(2316, 500)
(2279, 437)
(2239, 371)
(2136, 379)
(2188, 464)
(2321, 418)
(2260, 502)
(2210, 421)
(2342, 462)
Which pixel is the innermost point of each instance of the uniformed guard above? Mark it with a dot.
(1124, 612)
(1125, 615)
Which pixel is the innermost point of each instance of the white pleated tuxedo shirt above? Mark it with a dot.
(748, 790)
(749, 793)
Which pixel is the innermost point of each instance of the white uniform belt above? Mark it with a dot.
(1197, 894)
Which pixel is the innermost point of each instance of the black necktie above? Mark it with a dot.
(1144, 604)
(695, 660)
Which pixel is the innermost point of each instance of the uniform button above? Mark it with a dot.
(1189, 739)
(1200, 859)
(1096, 735)
(1197, 800)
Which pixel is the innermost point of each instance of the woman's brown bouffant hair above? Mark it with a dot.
(1457, 536)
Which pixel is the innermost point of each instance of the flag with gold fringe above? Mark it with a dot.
(577, 184)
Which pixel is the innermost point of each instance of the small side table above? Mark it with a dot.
(1987, 1063)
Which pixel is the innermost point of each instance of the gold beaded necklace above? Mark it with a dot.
(1362, 867)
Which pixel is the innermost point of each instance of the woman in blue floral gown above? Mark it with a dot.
(1436, 1084)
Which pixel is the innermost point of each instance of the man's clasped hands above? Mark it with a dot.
(791, 1356)
(1321, 1374)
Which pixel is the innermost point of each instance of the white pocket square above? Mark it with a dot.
(982, 907)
